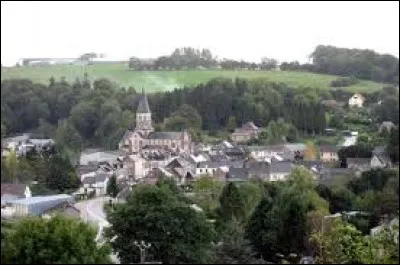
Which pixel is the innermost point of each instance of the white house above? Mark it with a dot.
(97, 183)
(357, 100)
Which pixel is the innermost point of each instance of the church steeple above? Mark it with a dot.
(143, 116)
(143, 104)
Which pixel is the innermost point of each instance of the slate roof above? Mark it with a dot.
(165, 135)
(249, 126)
(212, 164)
(238, 174)
(99, 177)
(280, 167)
(358, 161)
(13, 189)
(328, 149)
(143, 106)
(125, 136)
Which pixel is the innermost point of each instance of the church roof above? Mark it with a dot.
(143, 104)
(165, 135)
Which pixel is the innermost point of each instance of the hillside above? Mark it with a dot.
(168, 80)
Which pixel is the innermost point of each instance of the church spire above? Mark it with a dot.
(143, 103)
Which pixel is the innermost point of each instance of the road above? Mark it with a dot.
(92, 211)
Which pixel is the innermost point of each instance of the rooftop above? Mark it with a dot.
(143, 106)
(40, 199)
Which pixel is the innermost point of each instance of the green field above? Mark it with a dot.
(168, 80)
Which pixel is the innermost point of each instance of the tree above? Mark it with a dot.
(231, 123)
(207, 191)
(231, 204)
(310, 152)
(178, 233)
(279, 224)
(68, 136)
(233, 247)
(11, 165)
(337, 242)
(251, 193)
(112, 187)
(393, 145)
(59, 240)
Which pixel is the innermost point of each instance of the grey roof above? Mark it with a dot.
(358, 161)
(89, 180)
(125, 136)
(165, 135)
(13, 189)
(296, 147)
(143, 105)
(255, 165)
(212, 164)
(379, 150)
(40, 204)
(383, 157)
(238, 174)
(328, 148)
(281, 167)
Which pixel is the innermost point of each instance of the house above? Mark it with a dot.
(40, 204)
(209, 167)
(268, 151)
(94, 156)
(358, 164)
(357, 100)
(97, 183)
(181, 169)
(11, 192)
(235, 153)
(280, 170)
(328, 153)
(296, 148)
(245, 133)
(380, 158)
(258, 170)
(386, 126)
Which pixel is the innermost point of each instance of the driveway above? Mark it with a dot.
(92, 211)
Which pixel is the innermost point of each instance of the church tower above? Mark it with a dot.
(143, 116)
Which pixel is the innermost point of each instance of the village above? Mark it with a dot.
(144, 155)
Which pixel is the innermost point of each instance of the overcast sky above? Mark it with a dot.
(240, 30)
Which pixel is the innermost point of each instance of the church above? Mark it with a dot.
(145, 141)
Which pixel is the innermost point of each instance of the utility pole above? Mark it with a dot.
(143, 247)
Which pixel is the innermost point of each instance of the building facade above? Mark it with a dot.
(144, 139)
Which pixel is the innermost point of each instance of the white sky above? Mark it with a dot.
(240, 30)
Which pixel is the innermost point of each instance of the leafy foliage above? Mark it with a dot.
(112, 187)
(278, 225)
(154, 214)
(233, 247)
(55, 241)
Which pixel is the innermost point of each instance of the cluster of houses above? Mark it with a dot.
(22, 144)
(144, 154)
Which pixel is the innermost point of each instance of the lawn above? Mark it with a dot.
(168, 80)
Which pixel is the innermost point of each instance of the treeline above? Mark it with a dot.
(363, 64)
(85, 113)
(183, 58)
(357, 63)
(259, 101)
